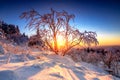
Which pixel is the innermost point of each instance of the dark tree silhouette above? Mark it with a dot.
(12, 33)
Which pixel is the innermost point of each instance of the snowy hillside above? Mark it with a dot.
(51, 67)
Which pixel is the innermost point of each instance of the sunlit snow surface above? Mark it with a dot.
(51, 67)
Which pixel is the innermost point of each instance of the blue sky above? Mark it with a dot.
(101, 16)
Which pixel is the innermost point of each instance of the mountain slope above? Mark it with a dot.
(53, 67)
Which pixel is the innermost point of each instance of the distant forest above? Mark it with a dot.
(12, 33)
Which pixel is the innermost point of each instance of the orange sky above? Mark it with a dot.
(108, 39)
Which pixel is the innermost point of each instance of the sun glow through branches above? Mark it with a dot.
(60, 41)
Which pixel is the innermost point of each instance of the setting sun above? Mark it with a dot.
(60, 41)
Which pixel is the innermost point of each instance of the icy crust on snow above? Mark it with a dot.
(52, 67)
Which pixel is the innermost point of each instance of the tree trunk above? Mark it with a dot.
(55, 44)
(66, 36)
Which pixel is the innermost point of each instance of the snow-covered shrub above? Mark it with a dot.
(108, 59)
(92, 58)
(116, 64)
(35, 41)
(83, 55)
(112, 62)
(10, 50)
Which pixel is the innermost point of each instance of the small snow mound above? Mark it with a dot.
(8, 75)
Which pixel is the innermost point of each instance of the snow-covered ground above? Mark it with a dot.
(50, 67)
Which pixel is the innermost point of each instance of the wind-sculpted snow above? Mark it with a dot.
(54, 67)
(10, 51)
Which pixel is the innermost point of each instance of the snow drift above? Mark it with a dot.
(52, 67)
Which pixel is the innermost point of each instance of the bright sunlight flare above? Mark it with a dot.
(60, 41)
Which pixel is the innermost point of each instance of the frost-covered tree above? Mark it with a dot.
(54, 25)
(36, 40)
